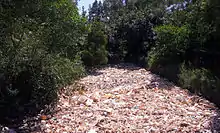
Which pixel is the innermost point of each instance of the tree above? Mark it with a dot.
(39, 43)
(191, 28)
(129, 25)
(96, 11)
(94, 52)
(83, 12)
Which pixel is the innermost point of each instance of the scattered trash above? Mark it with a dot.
(108, 96)
(92, 131)
(130, 99)
(89, 102)
(43, 117)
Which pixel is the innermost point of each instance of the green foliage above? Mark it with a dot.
(190, 34)
(100, 57)
(87, 58)
(129, 26)
(94, 52)
(170, 46)
(130, 40)
(65, 71)
(198, 80)
(39, 52)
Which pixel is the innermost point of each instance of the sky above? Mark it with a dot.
(85, 3)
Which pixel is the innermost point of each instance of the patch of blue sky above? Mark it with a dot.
(85, 3)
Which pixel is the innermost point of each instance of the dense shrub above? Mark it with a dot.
(34, 83)
(87, 58)
(199, 80)
(94, 52)
(100, 57)
(168, 52)
(170, 46)
(130, 41)
(39, 52)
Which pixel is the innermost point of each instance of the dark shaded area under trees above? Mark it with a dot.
(46, 45)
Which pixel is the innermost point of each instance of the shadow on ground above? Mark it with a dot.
(155, 80)
(23, 119)
(21, 122)
(93, 72)
(215, 124)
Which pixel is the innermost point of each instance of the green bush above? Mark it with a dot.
(87, 58)
(198, 80)
(66, 71)
(101, 57)
(94, 52)
(170, 46)
(38, 52)
(96, 58)
(168, 52)
(36, 82)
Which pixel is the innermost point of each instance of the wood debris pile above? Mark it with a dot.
(131, 99)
